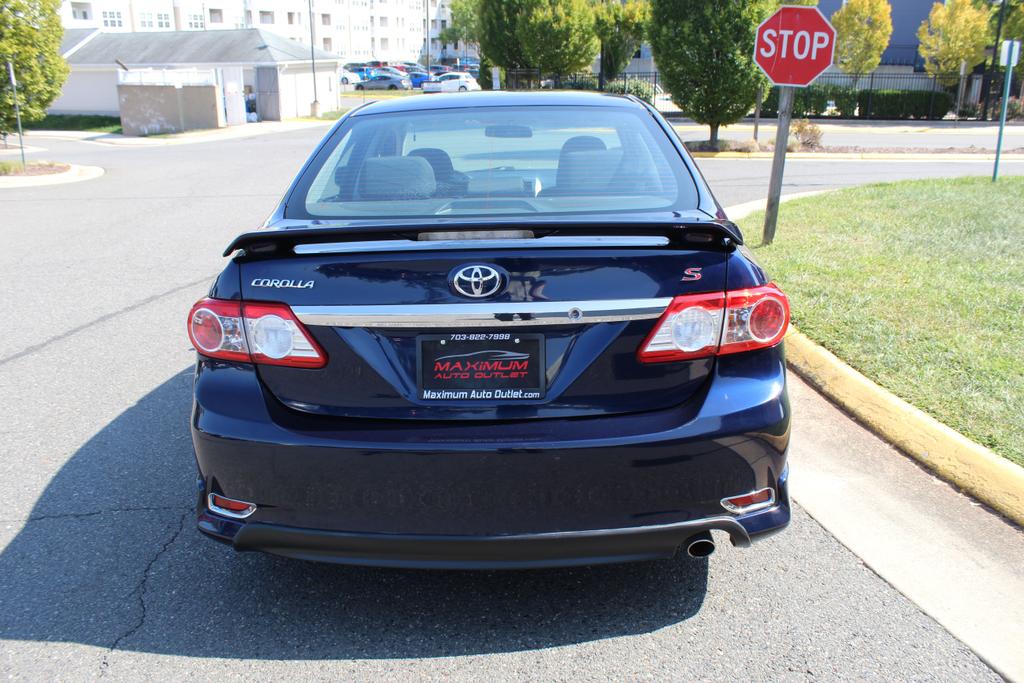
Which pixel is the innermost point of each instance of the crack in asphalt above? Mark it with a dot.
(102, 319)
(94, 513)
(140, 591)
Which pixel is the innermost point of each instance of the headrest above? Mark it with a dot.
(438, 160)
(588, 173)
(383, 178)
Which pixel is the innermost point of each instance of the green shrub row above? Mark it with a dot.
(850, 102)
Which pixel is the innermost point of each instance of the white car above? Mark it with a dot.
(453, 81)
(350, 77)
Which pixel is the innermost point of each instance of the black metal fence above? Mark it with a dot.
(917, 96)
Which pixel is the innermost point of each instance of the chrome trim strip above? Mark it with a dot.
(550, 242)
(484, 314)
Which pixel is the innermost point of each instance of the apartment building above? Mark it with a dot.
(356, 30)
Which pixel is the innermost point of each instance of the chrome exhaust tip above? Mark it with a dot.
(700, 545)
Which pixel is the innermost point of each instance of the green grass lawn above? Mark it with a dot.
(84, 122)
(920, 286)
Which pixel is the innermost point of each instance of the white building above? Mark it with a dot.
(253, 70)
(356, 30)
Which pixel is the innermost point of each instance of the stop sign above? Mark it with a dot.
(794, 45)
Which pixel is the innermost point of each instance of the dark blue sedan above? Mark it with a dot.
(492, 330)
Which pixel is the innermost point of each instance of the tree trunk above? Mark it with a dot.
(714, 134)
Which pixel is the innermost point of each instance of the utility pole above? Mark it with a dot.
(426, 34)
(314, 108)
(987, 81)
(17, 113)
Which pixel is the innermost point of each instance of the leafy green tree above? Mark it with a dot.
(498, 31)
(465, 25)
(953, 32)
(1013, 26)
(30, 35)
(705, 52)
(863, 29)
(620, 29)
(558, 36)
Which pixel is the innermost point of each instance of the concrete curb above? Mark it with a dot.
(72, 175)
(976, 470)
(863, 156)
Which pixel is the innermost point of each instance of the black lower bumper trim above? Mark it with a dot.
(483, 552)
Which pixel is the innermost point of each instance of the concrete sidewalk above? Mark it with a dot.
(878, 134)
(189, 137)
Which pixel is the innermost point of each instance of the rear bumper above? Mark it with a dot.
(527, 494)
(524, 551)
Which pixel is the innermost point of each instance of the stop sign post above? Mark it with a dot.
(792, 47)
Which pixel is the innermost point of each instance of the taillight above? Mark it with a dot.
(265, 333)
(701, 325)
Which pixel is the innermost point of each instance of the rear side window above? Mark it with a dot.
(495, 161)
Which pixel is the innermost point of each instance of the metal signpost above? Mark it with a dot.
(1008, 57)
(17, 113)
(792, 47)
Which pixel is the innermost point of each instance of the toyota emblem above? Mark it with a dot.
(477, 281)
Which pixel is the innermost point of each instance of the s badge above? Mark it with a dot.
(691, 275)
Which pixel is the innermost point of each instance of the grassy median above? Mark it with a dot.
(920, 286)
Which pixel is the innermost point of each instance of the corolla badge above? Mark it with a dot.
(477, 280)
(282, 284)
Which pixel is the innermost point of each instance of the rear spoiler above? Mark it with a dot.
(280, 241)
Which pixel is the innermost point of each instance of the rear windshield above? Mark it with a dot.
(495, 161)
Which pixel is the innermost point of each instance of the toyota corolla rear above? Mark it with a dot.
(492, 330)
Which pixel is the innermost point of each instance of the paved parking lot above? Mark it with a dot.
(103, 574)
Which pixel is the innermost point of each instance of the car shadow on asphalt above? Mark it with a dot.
(111, 558)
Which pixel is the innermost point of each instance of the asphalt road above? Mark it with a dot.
(103, 574)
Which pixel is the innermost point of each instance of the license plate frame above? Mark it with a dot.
(465, 383)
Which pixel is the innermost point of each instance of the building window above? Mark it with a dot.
(216, 16)
(325, 19)
(248, 17)
(81, 11)
(196, 21)
(163, 20)
(112, 20)
(328, 45)
(383, 22)
(266, 17)
(291, 17)
(383, 43)
(146, 20)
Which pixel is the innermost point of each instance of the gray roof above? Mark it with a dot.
(74, 36)
(159, 48)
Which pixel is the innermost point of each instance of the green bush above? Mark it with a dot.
(632, 86)
(848, 103)
(905, 104)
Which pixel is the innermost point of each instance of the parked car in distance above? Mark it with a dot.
(390, 71)
(455, 81)
(414, 66)
(438, 69)
(500, 330)
(350, 77)
(383, 81)
(418, 78)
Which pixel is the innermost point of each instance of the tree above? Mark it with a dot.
(30, 35)
(465, 25)
(1013, 27)
(953, 32)
(705, 52)
(863, 28)
(620, 29)
(498, 31)
(557, 36)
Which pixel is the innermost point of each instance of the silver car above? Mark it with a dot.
(381, 81)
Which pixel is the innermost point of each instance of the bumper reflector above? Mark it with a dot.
(749, 502)
(236, 509)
